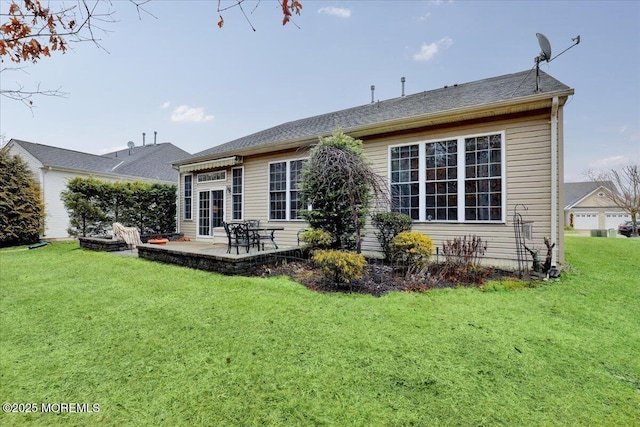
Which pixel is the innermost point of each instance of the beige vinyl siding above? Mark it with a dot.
(256, 188)
(528, 181)
(527, 145)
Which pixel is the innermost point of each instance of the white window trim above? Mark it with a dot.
(212, 180)
(461, 176)
(241, 194)
(224, 203)
(287, 190)
(193, 187)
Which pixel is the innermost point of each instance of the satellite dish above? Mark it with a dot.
(545, 54)
(545, 47)
(131, 144)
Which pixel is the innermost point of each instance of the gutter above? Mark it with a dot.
(554, 178)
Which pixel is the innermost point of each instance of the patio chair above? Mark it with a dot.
(254, 234)
(237, 236)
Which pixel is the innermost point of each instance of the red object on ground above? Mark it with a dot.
(158, 241)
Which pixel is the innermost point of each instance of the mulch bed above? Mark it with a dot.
(379, 279)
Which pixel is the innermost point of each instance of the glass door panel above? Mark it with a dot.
(204, 213)
(210, 211)
(217, 208)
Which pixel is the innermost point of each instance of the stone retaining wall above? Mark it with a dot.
(230, 266)
(102, 244)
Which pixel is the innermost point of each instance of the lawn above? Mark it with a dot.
(155, 344)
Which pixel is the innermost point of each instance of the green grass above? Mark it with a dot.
(162, 345)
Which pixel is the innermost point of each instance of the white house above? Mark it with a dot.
(53, 167)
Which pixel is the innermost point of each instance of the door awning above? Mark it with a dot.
(211, 164)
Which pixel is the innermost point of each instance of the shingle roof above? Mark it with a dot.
(575, 191)
(150, 161)
(496, 89)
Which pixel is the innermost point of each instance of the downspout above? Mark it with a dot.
(43, 172)
(554, 179)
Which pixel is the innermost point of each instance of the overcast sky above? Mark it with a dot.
(175, 72)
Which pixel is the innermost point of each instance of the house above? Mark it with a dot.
(587, 206)
(53, 167)
(460, 160)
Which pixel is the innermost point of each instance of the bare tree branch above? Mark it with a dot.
(30, 31)
(626, 191)
(289, 7)
(19, 93)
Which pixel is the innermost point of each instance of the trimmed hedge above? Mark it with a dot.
(94, 205)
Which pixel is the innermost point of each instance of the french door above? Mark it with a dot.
(210, 211)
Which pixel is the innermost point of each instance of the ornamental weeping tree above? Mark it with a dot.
(339, 184)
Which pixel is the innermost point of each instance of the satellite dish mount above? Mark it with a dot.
(545, 54)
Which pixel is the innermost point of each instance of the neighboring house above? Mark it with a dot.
(458, 159)
(587, 206)
(53, 167)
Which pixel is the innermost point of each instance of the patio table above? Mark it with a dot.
(268, 234)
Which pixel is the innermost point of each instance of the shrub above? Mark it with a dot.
(340, 266)
(316, 238)
(412, 248)
(93, 205)
(463, 251)
(462, 256)
(389, 225)
(21, 207)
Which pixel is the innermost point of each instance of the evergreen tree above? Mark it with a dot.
(21, 207)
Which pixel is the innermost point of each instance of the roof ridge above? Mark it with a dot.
(57, 148)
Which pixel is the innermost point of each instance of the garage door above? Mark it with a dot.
(613, 220)
(585, 221)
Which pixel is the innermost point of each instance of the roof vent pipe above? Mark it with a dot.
(155, 136)
(143, 139)
(402, 80)
(373, 88)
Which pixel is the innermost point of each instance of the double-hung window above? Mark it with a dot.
(450, 180)
(441, 166)
(483, 184)
(188, 197)
(405, 185)
(284, 200)
(237, 186)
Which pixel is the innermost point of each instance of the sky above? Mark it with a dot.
(171, 70)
